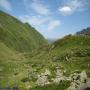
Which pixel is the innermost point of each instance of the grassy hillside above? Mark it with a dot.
(17, 35)
(33, 70)
(71, 54)
(16, 38)
(74, 51)
(12, 67)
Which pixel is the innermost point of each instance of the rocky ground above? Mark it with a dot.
(78, 81)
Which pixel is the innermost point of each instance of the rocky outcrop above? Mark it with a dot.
(43, 78)
(79, 81)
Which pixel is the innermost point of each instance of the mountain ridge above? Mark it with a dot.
(24, 35)
(85, 31)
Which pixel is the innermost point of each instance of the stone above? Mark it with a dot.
(83, 76)
(73, 86)
(43, 78)
(79, 83)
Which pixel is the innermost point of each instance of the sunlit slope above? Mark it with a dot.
(71, 52)
(15, 34)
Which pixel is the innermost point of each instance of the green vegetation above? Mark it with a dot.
(24, 54)
(71, 52)
(61, 86)
(17, 35)
(16, 38)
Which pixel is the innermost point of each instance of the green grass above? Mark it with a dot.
(16, 38)
(75, 48)
(18, 65)
(61, 86)
(17, 35)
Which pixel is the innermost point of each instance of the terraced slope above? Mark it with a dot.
(17, 35)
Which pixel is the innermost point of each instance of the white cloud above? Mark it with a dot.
(65, 10)
(73, 6)
(38, 21)
(40, 8)
(34, 20)
(37, 6)
(5, 4)
(53, 24)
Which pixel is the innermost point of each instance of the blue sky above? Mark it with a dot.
(53, 18)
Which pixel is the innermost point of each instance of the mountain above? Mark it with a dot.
(84, 32)
(17, 35)
(61, 65)
(16, 38)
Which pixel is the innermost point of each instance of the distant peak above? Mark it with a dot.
(84, 31)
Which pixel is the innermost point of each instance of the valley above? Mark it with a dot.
(28, 62)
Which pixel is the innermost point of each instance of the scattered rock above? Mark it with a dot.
(79, 81)
(43, 78)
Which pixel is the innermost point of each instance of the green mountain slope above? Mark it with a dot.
(17, 35)
(16, 38)
(71, 54)
(75, 49)
(11, 64)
